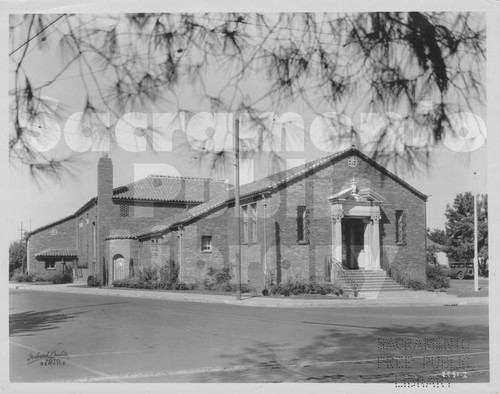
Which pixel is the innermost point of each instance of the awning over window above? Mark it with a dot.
(68, 253)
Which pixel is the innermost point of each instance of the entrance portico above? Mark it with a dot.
(356, 228)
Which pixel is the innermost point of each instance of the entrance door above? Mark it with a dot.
(353, 243)
(118, 267)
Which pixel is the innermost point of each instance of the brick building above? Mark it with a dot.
(344, 206)
(80, 238)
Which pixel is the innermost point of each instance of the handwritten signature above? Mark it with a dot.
(52, 355)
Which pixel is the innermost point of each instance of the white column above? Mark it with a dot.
(368, 263)
(375, 241)
(337, 215)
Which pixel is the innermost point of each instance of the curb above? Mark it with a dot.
(261, 301)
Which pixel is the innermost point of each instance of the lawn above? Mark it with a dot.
(465, 288)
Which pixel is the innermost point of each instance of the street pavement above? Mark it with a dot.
(109, 338)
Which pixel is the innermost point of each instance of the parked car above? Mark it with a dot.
(461, 270)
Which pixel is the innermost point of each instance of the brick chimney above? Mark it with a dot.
(104, 213)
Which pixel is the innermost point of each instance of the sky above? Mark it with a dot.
(35, 202)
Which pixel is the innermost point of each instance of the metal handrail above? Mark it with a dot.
(343, 274)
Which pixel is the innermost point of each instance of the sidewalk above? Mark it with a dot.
(398, 299)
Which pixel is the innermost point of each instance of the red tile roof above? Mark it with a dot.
(266, 184)
(57, 253)
(161, 188)
(171, 189)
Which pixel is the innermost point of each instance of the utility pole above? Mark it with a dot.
(21, 230)
(476, 268)
(237, 205)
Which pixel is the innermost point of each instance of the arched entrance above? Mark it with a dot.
(119, 270)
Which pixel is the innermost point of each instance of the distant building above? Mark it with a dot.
(344, 206)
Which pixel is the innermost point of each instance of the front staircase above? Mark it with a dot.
(368, 282)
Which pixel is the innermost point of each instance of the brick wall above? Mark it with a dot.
(126, 248)
(59, 236)
(277, 234)
(86, 236)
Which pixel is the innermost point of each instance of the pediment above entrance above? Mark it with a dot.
(357, 195)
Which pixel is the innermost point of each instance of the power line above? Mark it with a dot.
(36, 46)
(37, 34)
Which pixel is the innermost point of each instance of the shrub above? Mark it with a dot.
(265, 292)
(67, 278)
(127, 282)
(219, 279)
(165, 276)
(148, 274)
(182, 286)
(208, 284)
(57, 279)
(246, 288)
(19, 278)
(436, 277)
(297, 287)
(168, 274)
(62, 278)
(414, 284)
(220, 275)
(225, 286)
(42, 278)
(93, 281)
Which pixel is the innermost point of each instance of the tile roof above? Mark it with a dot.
(54, 223)
(120, 236)
(171, 189)
(57, 253)
(262, 185)
(162, 188)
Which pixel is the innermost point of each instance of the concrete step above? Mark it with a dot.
(371, 281)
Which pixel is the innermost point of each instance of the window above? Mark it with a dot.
(302, 224)
(253, 222)
(400, 227)
(155, 251)
(50, 265)
(206, 243)
(245, 223)
(249, 223)
(124, 210)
